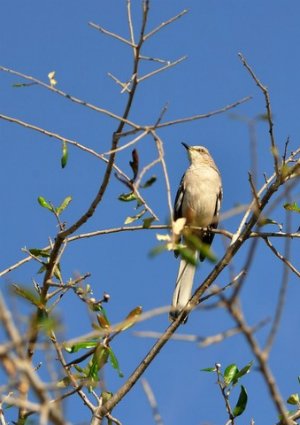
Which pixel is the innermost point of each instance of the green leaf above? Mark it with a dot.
(262, 117)
(134, 218)
(130, 319)
(99, 359)
(264, 221)
(157, 250)
(103, 322)
(187, 254)
(43, 203)
(292, 207)
(39, 252)
(106, 395)
(208, 369)
(27, 294)
(43, 268)
(114, 362)
(147, 222)
(229, 374)
(127, 197)
(18, 85)
(293, 399)
(65, 154)
(203, 248)
(57, 272)
(243, 372)
(63, 205)
(81, 345)
(149, 182)
(241, 403)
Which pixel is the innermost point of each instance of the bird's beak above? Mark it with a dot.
(187, 147)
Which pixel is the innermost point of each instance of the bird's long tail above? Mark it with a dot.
(183, 287)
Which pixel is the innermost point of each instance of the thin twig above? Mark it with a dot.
(164, 24)
(160, 149)
(282, 292)
(110, 34)
(70, 97)
(130, 25)
(125, 86)
(152, 401)
(202, 342)
(225, 395)
(163, 68)
(127, 145)
(269, 111)
(206, 115)
(281, 257)
(262, 361)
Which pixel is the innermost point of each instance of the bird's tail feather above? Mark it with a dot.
(183, 287)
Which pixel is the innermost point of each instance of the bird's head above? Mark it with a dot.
(197, 153)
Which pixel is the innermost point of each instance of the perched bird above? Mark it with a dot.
(198, 200)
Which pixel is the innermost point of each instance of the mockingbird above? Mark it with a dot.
(198, 200)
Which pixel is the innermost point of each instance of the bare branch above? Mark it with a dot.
(163, 68)
(206, 115)
(281, 257)
(269, 111)
(130, 25)
(111, 34)
(164, 24)
(152, 401)
(160, 149)
(72, 98)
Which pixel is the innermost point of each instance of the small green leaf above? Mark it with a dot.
(242, 372)
(130, 220)
(39, 252)
(149, 182)
(229, 374)
(80, 345)
(43, 203)
(187, 254)
(114, 362)
(43, 268)
(262, 117)
(241, 403)
(103, 322)
(203, 248)
(57, 272)
(106, 395)
(157, 250)
(27, 294)
(147, 222)
(292, 207)
(130, 319)
(293, 399)
(18, 85)
(208, 369)
(63, 205)
(99, 359)
(264, 221)
(65, 154)
(127, 197)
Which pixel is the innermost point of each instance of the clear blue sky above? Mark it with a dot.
(38, 37)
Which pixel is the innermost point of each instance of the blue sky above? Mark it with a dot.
(38, 37)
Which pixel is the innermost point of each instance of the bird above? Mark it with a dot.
(198, 201)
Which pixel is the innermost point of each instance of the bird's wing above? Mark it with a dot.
(179, 200)
(207, 237)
